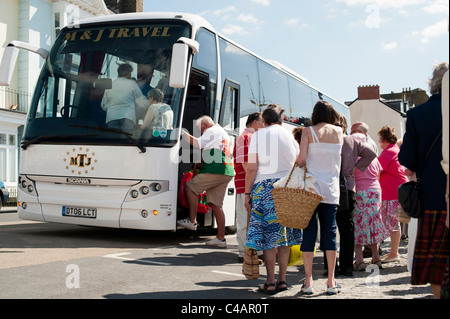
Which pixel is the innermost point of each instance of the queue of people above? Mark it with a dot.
(266, 152)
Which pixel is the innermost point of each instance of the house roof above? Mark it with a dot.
(389, 103)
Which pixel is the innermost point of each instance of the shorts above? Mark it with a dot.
(326, 214)
(215, 186)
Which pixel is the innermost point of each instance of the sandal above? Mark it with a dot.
(281, 283)
(377, 262)
(359, 266)
(265, 289)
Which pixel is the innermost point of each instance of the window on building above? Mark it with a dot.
(58, 24)
(8, 158)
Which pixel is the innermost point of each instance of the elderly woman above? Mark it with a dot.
(369, 228)
(423, 126)
(271, 156)
(159, 114)
(320, 152)
(392, 176)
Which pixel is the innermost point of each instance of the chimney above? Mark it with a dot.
(370, 92)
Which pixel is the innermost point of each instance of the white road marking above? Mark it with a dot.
(228, 273)
(120, 256)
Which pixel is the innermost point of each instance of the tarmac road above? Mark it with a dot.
(54, 261)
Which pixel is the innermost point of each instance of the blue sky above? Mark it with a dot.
(337, 45)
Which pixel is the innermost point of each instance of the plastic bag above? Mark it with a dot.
(202, 207)
(296, 255)
(298, 180)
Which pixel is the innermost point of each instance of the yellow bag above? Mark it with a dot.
(296, 255)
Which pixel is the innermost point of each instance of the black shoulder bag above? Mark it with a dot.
(409, 193)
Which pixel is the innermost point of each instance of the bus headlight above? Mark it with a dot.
(134, 193)
(27, 185)
(156, 187)
(145, 190)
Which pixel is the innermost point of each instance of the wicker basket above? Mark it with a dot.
(294, 206)
(402, 216)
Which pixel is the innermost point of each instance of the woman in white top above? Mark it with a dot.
(271, 156)
(320, 152)
(159, 114)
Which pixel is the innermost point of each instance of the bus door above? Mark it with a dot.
(197, 104)
(229, 119)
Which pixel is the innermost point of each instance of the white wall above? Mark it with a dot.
(376, 115)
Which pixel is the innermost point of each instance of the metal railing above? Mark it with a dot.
(12, 199)
(11, 99)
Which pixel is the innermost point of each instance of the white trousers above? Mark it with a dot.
(241, 224)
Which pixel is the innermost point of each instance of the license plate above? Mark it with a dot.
(79, 212)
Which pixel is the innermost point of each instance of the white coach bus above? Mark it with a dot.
(75, 169)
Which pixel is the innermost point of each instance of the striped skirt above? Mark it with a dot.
(264, 231)
(432, 249)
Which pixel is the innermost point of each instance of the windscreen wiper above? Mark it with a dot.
(114, 130)
(39, 139)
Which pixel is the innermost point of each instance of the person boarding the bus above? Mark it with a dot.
(253, 124)
(216, 172)
(123, 100)
(159, 114)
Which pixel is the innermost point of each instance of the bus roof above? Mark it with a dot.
(195, 20)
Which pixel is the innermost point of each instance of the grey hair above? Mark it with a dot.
(204, 118)
(363, 127)
(435, 82)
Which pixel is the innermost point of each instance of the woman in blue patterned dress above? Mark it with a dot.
(271, 156)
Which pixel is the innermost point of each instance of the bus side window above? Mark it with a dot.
(229, 110)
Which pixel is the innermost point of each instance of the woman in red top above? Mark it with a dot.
(392, 176)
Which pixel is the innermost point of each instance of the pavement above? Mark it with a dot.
(393, 281)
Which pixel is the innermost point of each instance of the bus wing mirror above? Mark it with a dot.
(180, 55)
(10, 58)
(8, 63)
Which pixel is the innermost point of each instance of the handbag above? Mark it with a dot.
(250, 266)
(343, 195)
(409, 193)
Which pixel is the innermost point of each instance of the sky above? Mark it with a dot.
(338, 45)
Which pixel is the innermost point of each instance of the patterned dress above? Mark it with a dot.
(369, 228)
(389, 214)
(264, 231)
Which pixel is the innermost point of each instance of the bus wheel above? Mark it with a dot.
(231, 230)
